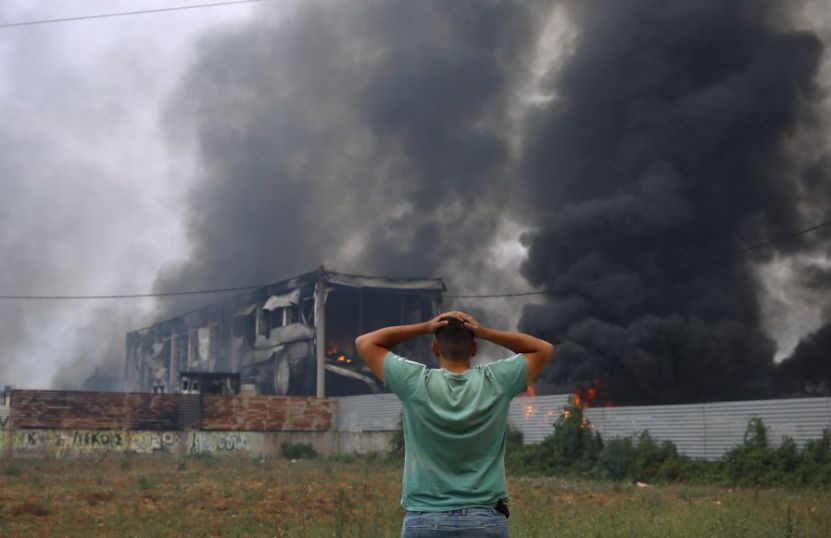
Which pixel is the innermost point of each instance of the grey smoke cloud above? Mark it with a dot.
(88, 193)
(367, 135)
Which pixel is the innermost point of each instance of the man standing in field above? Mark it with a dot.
(455, 422)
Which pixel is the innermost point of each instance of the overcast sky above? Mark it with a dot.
(91, 184)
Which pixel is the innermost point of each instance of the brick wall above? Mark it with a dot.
(52, 409)
(266, 413)
(93, 410)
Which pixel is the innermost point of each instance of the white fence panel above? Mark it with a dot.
(535, 416)
(682, 424)
(800, 418)
(371, 413)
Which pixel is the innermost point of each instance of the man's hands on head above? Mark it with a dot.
(537, 352)
(437, 323)
(467, 320)
(472, 324)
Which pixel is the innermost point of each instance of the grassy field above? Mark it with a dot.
(135, 496)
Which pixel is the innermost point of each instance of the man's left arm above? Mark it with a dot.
(374, 346)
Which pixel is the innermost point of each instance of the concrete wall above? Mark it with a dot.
(46, 443)
(362, 442)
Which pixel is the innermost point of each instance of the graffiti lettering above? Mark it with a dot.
(224, 442)
(232, 442)
(150, 442)
(201, 445)
(31, 438)
(96, 439)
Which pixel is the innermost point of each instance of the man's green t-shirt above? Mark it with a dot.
(455, 431)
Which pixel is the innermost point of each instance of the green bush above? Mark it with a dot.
(639, 458)
(818, 450)
(816, 461)
(574, 446)
(754, 462)
(298, 451)
(520, 458)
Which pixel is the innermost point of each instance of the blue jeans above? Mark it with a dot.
(467, 522)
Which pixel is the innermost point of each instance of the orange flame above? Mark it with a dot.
(530, 391)
(334, 352)
(583, 397)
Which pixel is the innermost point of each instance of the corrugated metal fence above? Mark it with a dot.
(698, 430)
(376, 412)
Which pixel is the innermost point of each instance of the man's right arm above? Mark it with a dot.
(537, 352)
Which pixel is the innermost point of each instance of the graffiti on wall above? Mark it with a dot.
(218, 442)
(82, 443)
(143, 442)
(30, 440)
(90, 440)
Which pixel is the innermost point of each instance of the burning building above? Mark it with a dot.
(293, 337)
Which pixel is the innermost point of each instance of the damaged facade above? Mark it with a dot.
(294, 337)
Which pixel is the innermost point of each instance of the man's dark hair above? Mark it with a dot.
(454, 340)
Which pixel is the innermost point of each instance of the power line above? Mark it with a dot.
(128, 295)
(690, 265)
(127, 13)
(527, 293)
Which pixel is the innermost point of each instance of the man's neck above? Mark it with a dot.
(457, 367)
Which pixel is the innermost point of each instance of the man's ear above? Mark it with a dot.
(435, 349)
(473, 348)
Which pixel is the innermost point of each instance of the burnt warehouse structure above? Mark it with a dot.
(294, 337)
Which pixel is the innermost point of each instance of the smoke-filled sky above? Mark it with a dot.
(579, 147)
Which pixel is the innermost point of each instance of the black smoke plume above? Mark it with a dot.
(670, 141)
